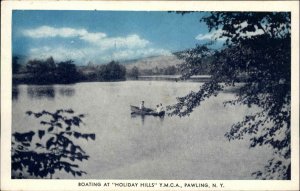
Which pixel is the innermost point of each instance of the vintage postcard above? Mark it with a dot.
(129, 95)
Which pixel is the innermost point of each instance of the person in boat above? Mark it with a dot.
(142, 105)
(159, 108)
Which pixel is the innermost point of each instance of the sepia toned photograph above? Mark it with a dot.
(151, 95)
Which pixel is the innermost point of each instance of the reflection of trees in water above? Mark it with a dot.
(43, 152)
(40, 92)
(66, 91)
(15, 92)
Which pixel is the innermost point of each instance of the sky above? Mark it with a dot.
(102, 36)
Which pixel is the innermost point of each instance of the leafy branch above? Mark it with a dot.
(52, 147)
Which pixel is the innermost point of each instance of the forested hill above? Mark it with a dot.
(153, 62)
(155, 65)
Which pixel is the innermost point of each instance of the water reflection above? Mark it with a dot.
(162, 118)
(139, 116)
(40, 92)
(48, 92)
(15, 92)
(66, 91)
(143, 117)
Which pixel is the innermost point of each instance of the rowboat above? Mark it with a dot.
(145, 111)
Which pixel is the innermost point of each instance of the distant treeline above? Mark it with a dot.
(169, 70)
(112, 71)
(134, 72)
(49, 72)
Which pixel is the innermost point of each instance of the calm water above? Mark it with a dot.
(129, 147)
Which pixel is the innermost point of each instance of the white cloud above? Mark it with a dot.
(213, 35)
(99, 47)
(84, 55)
(217, 34)
(131, 41)
(64, 32)
(255, 33)
(97, 38)
(93, 37)
(138, 53)
(249, 34)
(60, 53)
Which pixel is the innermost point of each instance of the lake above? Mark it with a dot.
(135, 147)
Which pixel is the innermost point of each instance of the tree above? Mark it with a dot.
(42, 152)
(257, 46)
(15, 65)
(111, 72)
(66, 72)
(48, 72)
(170, 70)
(42, 71)
(134, 72)
(41, 66)
(49, 62)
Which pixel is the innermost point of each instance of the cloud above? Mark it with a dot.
(60, 53)
(217, 34)
(92, 37)
(247, 33)
(64, 32)
(99, 48)
(255, 33)
(138, 53)
(214, 35)
(131, 41)
(96, 38)
(87, 54)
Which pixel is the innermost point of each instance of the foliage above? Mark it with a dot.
(15, 64)
(44, 151)
(66, 72)
(133, 73)
(257, 52)
(169, 70)
(39, 67)
(112, 71)
(48, 72)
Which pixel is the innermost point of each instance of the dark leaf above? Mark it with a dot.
(77, 134)
(73, 149)
(49, 142)
(29, 113)
(50, 129)
(26, 144)
(69, 133)
(38, 145)
(59, 125)
(21, 137)
(44, 122)
(81, 115)
(41, 133)
(93, 136)
(69, 111)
